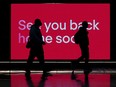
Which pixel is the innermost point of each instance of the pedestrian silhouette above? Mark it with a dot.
(81, 38)
(36, 48)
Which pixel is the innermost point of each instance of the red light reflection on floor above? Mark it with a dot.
(61, 80)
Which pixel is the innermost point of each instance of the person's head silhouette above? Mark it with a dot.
(38, 22)
(85, 24)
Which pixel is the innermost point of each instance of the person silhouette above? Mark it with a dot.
(83, 42)
(36, 48)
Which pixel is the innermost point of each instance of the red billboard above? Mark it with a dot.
(59, 24)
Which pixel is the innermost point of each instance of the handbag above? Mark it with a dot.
(28, 45)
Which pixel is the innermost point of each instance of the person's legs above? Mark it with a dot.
(40, 56)
(43, 66)
(85, 53)
(87, 69)
(75, 63)
(29, 63)
(41, 61)
(73, 68)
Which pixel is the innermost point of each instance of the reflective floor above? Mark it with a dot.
(59, 80)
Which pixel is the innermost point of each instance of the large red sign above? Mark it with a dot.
(60, 23)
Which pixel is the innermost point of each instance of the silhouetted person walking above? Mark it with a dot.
(36, 48)
(83, 41)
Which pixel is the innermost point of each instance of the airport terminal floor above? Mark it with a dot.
(96, 78)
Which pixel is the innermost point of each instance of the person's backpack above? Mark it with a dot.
(76, 38)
